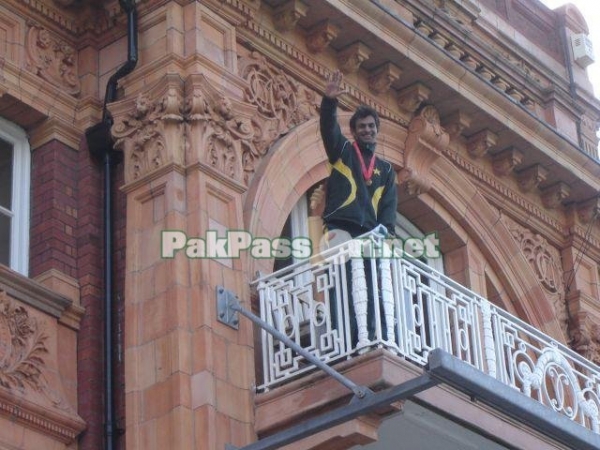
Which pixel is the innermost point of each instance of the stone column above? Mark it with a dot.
(188, 376)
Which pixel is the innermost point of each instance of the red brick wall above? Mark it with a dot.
(90, 274)
(54, 209)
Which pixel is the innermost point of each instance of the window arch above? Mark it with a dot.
(297, 225)
(15, 180)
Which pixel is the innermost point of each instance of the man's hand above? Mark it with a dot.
(333, 88)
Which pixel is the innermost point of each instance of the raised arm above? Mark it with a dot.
(333, 140)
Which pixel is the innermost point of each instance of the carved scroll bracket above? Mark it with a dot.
(425, 142)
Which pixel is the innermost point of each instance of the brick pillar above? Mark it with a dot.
(90, 274)
(54, 209)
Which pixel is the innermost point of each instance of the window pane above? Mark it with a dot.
(4, 240)
(6, 172)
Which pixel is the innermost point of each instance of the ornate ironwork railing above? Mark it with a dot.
(326, 305)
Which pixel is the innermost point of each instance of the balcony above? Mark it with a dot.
(316, 304)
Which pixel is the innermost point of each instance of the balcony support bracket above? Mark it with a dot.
(343, 414)
(363, 402)
(228, 307)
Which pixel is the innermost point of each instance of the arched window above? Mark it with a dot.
(297, 225)
(15, 164)
(405, 229)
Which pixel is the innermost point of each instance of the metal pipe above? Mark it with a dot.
(111, 93)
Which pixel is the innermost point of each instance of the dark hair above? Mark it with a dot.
(361, 112)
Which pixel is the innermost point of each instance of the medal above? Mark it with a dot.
(367, 173)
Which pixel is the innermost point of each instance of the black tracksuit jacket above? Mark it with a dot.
(351, 204)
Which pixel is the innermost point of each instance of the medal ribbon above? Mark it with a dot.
(367, 173)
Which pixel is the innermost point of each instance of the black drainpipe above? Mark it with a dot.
(101, 146)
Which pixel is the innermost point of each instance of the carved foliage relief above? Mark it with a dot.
(546, 264)
(149, 130)
(282, 104)
(219, 130)
(194, 118)
(22, 347)
(52, 59)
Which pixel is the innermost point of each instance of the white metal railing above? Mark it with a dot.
(322, 305)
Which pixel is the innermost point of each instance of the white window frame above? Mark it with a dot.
(406, 229)
(21, 186)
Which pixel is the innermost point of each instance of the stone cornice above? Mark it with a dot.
(48, 101)
(32, 293)
(504, 99)
(309, 70)
(524, 210)
(65, 427)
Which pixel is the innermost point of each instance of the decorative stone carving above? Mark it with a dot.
(531, 177)
(22, 348)
(425, 142)
(486, 73)
(454, 50)
(439, 39)
(52, 59)
(504, 162)
(552, 196)
(470, 62)
(170, 124)
(281, 105)
(411, 97)
(382, 78)
(455, 123)
(500, 84)
(585, 338)
(320, 35)
(545, 261)
(480, 143)
(149, 128)
(588, 211)
(287, 15)
(351, 57)
(219, 130)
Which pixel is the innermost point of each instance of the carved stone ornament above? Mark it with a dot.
(480, 143)
(185, 123)
(150, 131)
(22, 348)
(585, 339)
(382, 78)
(219, 130)
(545, 262)
(425, 142)
(411, 97)
(31, 388)
(505, 161)
(281, 102)
(320, 35)
(52, 59)
(287, 15)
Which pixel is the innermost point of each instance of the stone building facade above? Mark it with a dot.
(487, 116)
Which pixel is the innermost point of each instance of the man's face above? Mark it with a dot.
(366, 130)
